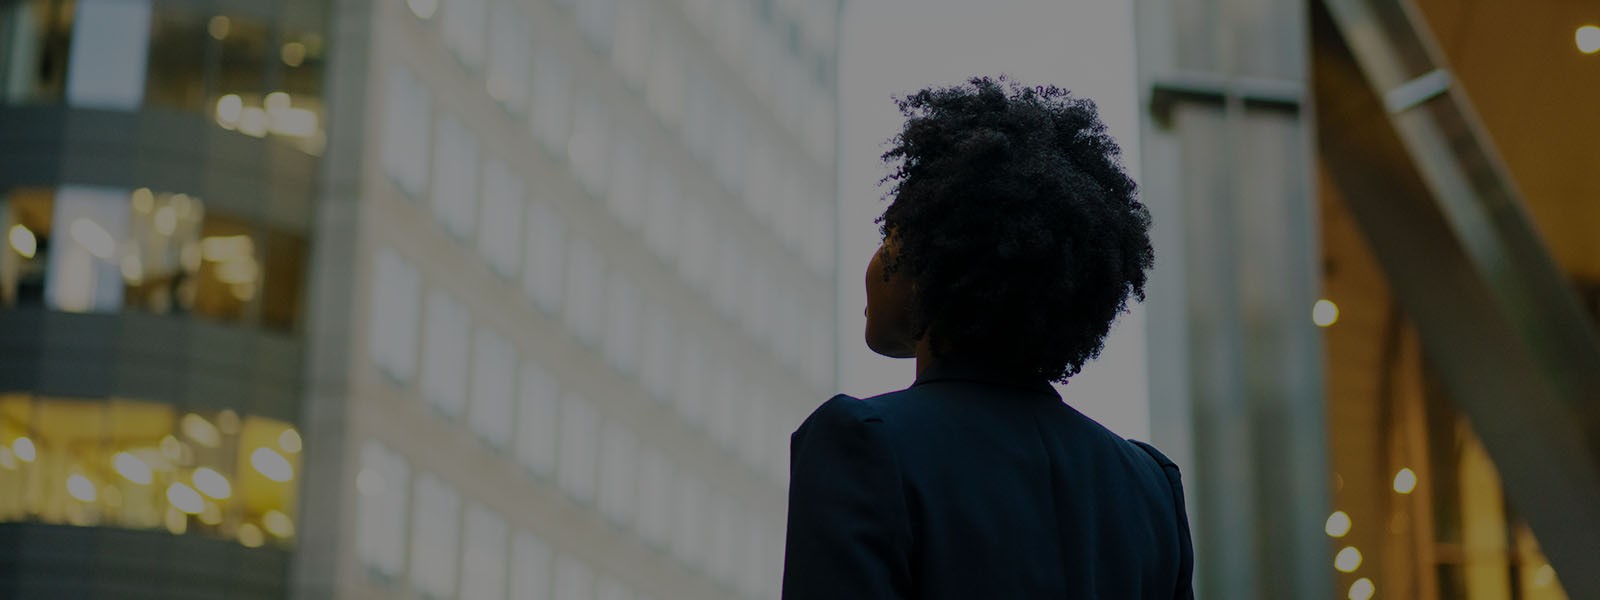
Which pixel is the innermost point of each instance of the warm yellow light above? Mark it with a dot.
(228, 421)
(200, 430)
(229, 108)
(278, 524)
(219, 248)
(369, 482)
(289, 440)
(1347, 560)
(23, 448)
(212, 515)
(144, 200)
(132, 468)
(271, 464)
(23, 241)
(423, 9)
(1362, 589)
(8, 461)
(218, 27)
(293, 54)
(166, 220)
(1544, 576)
(253, 122)
(184, 498)
(250, 536)
(237, 271)
(1405, 481)
(81, 488)
(1338, 524)
(1325, 313)
(182, 204)
(212, 483)
(94, 238)
(1588, 38)
(277, 102)
(171, 448)
(177, 521)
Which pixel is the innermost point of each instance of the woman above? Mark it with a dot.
(1012, 241)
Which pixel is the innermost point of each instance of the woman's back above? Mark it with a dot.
(969, 486)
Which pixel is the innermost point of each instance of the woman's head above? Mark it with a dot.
(1012, 235)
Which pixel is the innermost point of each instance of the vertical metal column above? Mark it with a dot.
(1235, 360)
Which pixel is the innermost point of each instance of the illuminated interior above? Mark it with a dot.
(143, 465)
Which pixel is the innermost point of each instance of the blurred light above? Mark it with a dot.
(277, 101)
(1348, 560)
(229, 109)
(23, 241)
(278, 524)
(294, 122)
(271, 464)
(94, 238)
(166, 220)
(212, 483)
(200, 430)
(184, 498)
(177, 521)
(183, 204)
(243, 292)
(293, 54)
(143, 200)
(228, 421)
(81, 488)
(132, 468)
(23, 447)
(1325, 313)
(1362, 589)
(289, 440)
(250, 536)
(1338, 524)
(1588, 38)
(113, 497)
(212, 515)
(253, 122)
(171, 448)
(218, 27)
(221, 248)
(1544, 576)
(8, 461)
(243, 270)
(190, 256)
(132, 269)
(1405, 481)
(423, 9)
(369, 482)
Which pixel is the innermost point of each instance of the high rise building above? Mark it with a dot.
(409, 298)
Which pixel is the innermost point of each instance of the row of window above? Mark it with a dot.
(417, 526)
(98, 249)
(471, 371)
(744, 157)
(258, 77)
(481, 201)
(145, 465)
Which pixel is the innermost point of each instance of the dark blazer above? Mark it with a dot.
(973, 486)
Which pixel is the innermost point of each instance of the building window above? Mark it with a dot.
(574, 579)
(530, 572)
(585, 301)
(384, 484)
(111, 40)
(544, 260)
(435, 527)
(552, 100)
(177, 61)
(445, 330)
(509, 50)
(500, 231)
(538, 408)
(589, 147)
(145, 465)
(465, 27)
(25, 221)
(396, 312)
(483, 560)
(618, 474)
(494, 379)
(38, 37)
(87, 230)
(405, 131)
(580, 441)
(455, 178)
(622, 330)
(283, 272)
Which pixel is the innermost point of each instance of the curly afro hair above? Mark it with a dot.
(1010, 211)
